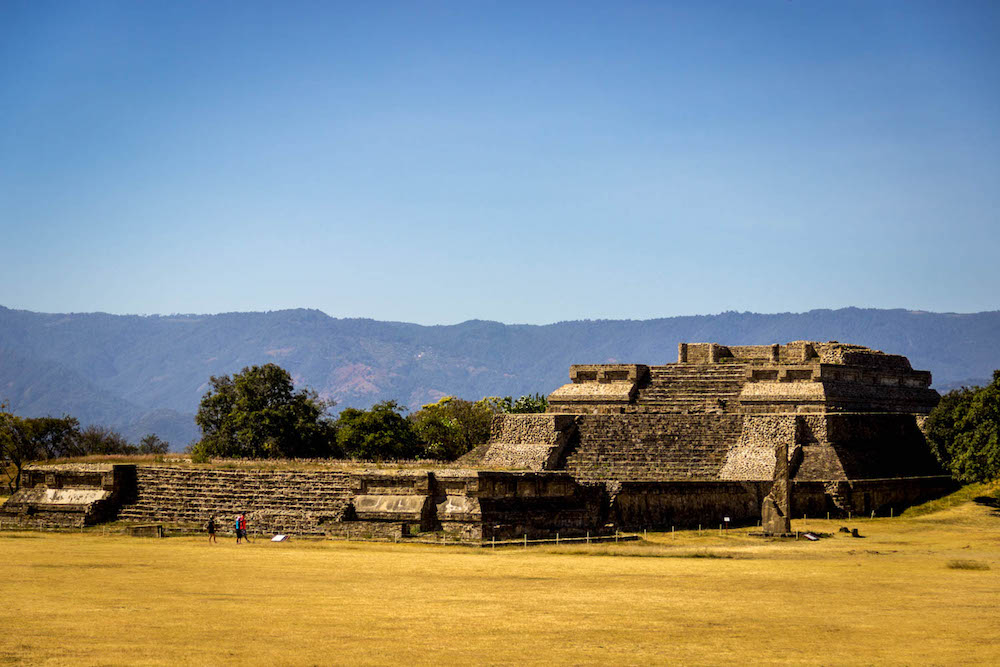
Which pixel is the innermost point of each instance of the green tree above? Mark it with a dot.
(525, 404)
(101, 440)
(964, 432)
(57, 437)
(17, 447)
(452, 426)
(529, 403)
(381, 433)
(941, 424)
(151, 444)
(257, 414)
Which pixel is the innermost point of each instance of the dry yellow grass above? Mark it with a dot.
(890, 598)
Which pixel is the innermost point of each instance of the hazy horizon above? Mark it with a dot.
(479, 319)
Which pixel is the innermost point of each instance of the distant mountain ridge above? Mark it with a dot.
(147, 373)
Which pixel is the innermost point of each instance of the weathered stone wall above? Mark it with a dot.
(71, 495)
(660, 505)
(528, 441)
(656, 447)
(599, 388)
(395, 504)
(296, 502)
(686, 389)
(537, 505)
(861, 497)
(539, 429)
(762, 353)
(753, 456)
(862, 446)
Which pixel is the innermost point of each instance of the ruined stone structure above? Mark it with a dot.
(754, 433)
(458, 503)
(812, 427)
(69, 496)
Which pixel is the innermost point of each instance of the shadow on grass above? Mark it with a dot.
(989, 501)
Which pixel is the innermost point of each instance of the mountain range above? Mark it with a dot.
(146, 374)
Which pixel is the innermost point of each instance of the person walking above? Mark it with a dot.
(239, 528)
(243, 526)
(211, 530)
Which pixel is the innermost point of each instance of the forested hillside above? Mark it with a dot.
(146, 374)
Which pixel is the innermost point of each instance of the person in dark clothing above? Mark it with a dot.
(211, 530)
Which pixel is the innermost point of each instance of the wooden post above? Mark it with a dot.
(557, 538)
(588, 537)
(525, 540)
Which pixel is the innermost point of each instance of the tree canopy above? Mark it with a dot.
(964, 431)
(26, 439)
(55, 436)
(452, 426)
(16, 447)
(526, 404)
(256, 413)
(380, 433)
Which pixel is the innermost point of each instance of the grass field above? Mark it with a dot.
(916, 590)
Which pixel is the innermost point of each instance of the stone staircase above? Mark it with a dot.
(658, 448)
(692, 388)
(275, 501)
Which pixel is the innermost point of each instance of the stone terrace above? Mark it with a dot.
(276, 501)
(655, 447)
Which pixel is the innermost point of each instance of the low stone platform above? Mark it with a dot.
(69, 496)
(145, 531)
(460, 504)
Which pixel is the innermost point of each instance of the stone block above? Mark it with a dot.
(773, 521)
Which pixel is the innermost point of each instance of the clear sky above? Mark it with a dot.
(522, 162)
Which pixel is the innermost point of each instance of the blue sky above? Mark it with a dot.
(535, 162)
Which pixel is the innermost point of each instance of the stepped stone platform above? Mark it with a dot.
(375, 504)
(753, 433)
(826, 427)
(70, 496)
(295, 502)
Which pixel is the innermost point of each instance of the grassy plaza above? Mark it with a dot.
(922, 588)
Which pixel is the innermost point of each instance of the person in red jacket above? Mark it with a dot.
(243, 527)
